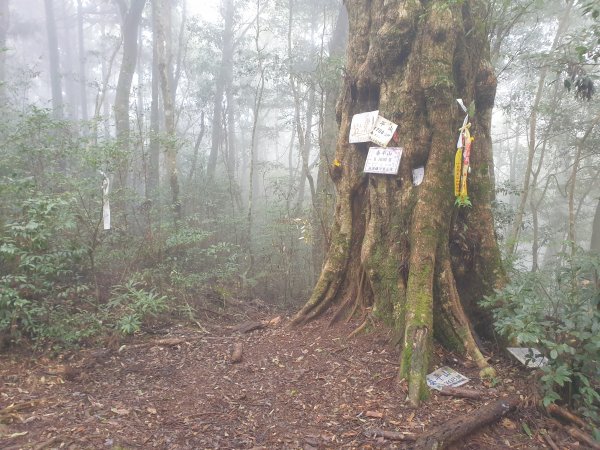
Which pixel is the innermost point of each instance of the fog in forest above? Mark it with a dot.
(173, 157)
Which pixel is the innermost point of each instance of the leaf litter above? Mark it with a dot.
(294, 388)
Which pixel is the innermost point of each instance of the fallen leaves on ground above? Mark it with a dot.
(306, 387)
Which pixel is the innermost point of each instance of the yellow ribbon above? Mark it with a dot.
(457, 167)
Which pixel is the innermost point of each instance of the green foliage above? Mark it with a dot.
(37, 271)
(131, 305)
(558, 313)
(463, 202)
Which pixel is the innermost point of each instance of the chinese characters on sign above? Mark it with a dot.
(383, 160)
(383, 131)
(370, 126)
(445, 376)
(361, 127)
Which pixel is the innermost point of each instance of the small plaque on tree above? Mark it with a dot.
(383, 131)
(418, 175)
(383, 160)
(361, 127)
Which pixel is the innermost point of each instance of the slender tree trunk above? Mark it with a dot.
(536, 198)
(224, 80)
(511, 242)
(162, 14)
(513, 160)
(325, 192)
(595, 240)
(194, 163)
(83, 101)
(305, 144)
(571, 236)
(101, 102)
(130, 18)
(154, 147)
(71, 88)
(53, 56)
(394, 245)
(253, 144)
(4, 25)
(181, 45)
(232, 156)
(304, 134)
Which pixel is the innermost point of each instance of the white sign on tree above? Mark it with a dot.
(370, 126)
(383, 131)
(362, 125)
(418, 175)
(383, 160)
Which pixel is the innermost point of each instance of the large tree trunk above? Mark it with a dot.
(402, 249)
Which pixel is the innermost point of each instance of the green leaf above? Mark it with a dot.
(581, 50)
(471, 109)
(567, 84)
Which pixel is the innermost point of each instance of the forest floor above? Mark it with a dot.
(310, 387)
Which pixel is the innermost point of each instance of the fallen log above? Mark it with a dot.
(579, 435)
(238, 351)
(461, 392)
(567, 415)
(456, 429)
(550, 442)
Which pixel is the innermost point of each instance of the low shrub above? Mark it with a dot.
(558, 312)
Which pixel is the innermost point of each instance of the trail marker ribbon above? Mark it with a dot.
(105, 201)
(462, 159)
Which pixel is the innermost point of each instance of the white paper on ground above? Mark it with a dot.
(529, 357)
(383, 160)
(445, 377)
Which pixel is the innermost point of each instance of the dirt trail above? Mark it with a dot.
(296, 388)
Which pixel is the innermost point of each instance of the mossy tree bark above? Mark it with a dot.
(405, 251)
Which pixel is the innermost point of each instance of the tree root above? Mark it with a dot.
(455, 314)
(362, 326)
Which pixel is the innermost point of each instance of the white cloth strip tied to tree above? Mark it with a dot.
(105, 201)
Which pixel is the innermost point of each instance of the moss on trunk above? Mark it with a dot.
(403, 249)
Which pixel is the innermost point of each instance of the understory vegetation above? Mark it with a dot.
(557, 312)
(64, 281)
